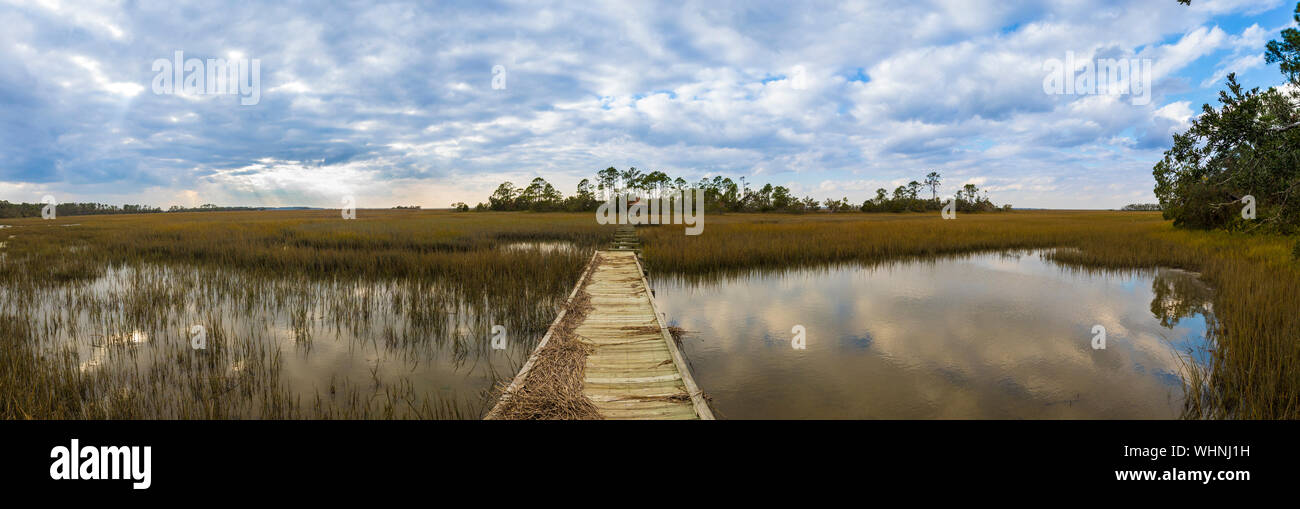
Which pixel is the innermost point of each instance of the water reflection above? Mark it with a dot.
(349, 348)
(995, 335)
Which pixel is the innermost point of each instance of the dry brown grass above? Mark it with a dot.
(1254, 373)
(553, 386)
(423, 286)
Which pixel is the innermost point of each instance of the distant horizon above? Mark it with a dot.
(362, 207)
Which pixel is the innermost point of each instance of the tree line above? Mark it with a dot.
(11, 210)
(8, 209)
(722, 194)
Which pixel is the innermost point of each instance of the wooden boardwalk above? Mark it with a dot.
(636, 370)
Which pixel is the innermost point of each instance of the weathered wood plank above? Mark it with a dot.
(635, 357)
(636, 370)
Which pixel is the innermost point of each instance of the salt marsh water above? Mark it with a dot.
(985, 336)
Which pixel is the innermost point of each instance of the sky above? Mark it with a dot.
(429, 103)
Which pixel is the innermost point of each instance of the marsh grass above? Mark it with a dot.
(420, 289)
(397, 306)
(1254, 365)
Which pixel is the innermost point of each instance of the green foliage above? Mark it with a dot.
(1243, 148)
(908, 198)
(1286, 52)
(1249, 146)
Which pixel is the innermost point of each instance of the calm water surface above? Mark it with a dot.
(986, 336)
(347, 347)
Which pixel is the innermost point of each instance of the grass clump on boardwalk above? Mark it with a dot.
(553, 386)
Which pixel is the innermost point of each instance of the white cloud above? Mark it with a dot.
(397, 99)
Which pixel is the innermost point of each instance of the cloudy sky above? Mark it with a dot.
(395, 104)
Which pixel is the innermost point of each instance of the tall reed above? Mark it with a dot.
(96, 311)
